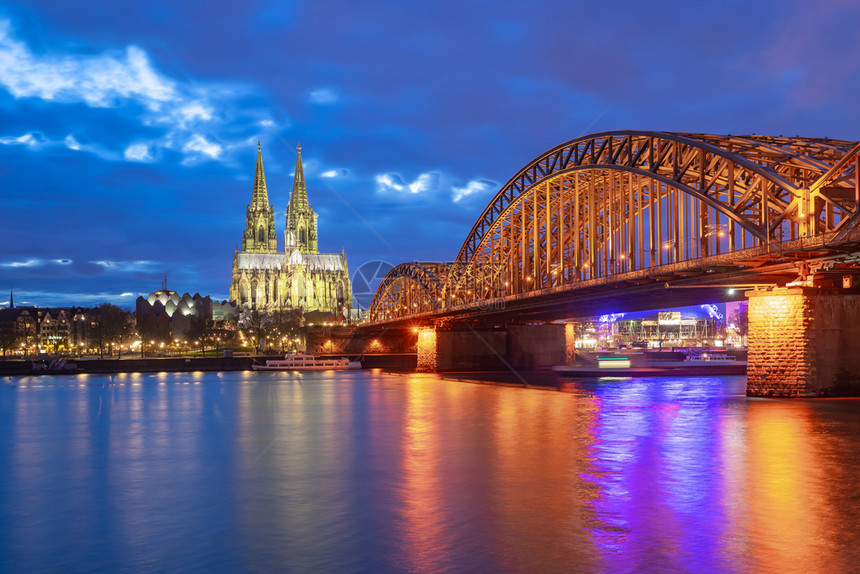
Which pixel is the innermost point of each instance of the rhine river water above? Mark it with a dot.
(371, 472)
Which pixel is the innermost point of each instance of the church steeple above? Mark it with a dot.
(301, 230)
(260, 197)
(259, 234)
(299, 197)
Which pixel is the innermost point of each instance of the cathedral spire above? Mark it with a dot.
(259, 234)
(260, 198)
(301, 220)
(299, 197)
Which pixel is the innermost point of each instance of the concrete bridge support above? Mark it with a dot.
(353, 341)
(536, 346)
(801, 339)
(522, 347)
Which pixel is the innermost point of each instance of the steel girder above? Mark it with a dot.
(617, 202)
(758, 169)
(407, 289)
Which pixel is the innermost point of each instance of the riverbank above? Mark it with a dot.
(679, 369)
(394, 361)
(127, 365)
(559, 377)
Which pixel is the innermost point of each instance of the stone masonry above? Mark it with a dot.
(800, 339)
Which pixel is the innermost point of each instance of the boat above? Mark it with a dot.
(301, 362)
(712, 358)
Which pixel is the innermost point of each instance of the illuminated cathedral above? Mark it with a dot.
(299, 276)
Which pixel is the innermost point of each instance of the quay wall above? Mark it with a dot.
(389, 361)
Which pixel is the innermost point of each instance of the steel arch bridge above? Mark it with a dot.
(616, 206)
(412, 288)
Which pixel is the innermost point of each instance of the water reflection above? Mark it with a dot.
(423, 511)
(656, 460)
(365, 471)
(799, 489)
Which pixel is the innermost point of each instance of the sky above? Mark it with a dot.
(128, 129)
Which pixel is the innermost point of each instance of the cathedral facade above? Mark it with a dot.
(299, 276)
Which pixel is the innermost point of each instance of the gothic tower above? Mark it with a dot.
(260, 234)
(299, 276)
(301, 230)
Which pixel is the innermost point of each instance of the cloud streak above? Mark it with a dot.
(394, 182)
(474, 187)
(103, 80)
(72, 299)
(125, 266)
(126, 82)
(107, 265)
(27, 263)
(199, 146)
(24, 140)
(323, 97)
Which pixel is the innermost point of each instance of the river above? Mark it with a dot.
(365, 471)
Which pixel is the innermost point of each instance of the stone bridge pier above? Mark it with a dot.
(802, 340)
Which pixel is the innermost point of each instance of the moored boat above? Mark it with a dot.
(712, 358)
(300, 362)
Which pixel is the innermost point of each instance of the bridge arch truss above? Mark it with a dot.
(409, 289)
(613, 203)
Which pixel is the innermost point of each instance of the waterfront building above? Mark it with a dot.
(82, 330)
(708, 325)
(19, 329)
(166, 315)
(52, 329)
(267, 279)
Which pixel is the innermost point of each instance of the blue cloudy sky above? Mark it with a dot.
(128, 129)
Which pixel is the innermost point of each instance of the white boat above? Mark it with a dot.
(299, 362)
(712, 358)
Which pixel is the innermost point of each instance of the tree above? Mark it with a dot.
(113, 327)
(253, 324)
(26, 329)
(9, 339)
(148, 331)
(287, 324)
(199, 328)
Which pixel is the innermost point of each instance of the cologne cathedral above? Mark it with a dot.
(299, 276)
